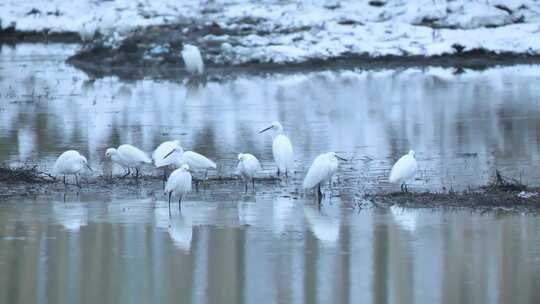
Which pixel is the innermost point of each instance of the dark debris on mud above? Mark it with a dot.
(506, 194)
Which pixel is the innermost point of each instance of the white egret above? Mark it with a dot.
(248, 166)
(70, 162)
(159, 156)
(195, 160)
(193, 59)
(178, 183)
(88, 30)
(281, 149)
(128, 157)
(403, 170)
(323, 168)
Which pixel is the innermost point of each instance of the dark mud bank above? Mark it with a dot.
(495, 197)
(155, 52)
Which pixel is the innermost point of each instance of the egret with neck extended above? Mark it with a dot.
(282, 149)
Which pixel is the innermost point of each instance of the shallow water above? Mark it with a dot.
(227, 247)
(265, 249)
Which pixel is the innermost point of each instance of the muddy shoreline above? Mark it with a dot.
(486, 198)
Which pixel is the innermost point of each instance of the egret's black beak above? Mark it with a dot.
(169, 154)
(89, 168)
(341, 158)
(266, 129)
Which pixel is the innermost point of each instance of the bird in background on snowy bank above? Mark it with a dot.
(71, 162)
(323, 168)
(403, 170)
(128, 157)
(248, 166)
(192, 59)
(282, 149)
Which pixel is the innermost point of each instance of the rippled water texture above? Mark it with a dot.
(270, 247)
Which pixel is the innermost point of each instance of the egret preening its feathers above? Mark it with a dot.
(403, 170)
(281, 149)
(159, 156)
(323, 168)
(193, 59)
(248, 166)
(128, 157)
(195, 160)
(178, 183)
(71, 162)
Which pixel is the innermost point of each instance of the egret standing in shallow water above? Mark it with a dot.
(128, 157)
(70, 162)
(248, 166)
(281, 149)
(403, 170)
(323, 168)
(193, 59)
(179, 183)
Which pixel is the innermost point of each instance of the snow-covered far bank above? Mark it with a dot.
(232, 32)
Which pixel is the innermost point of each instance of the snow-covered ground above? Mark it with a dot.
(295, 31)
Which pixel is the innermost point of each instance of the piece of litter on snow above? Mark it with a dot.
(525, 194)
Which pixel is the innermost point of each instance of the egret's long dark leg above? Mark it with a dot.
(180, 203)
(65, 184)
(246, 187)
(278, 172)
(402, 190)
(164, 176)
(406, 188)
(319, 194)
(196, 181)
(253, 184)
(170, 194)
(77, 180)
(330, 184)
(136, 173)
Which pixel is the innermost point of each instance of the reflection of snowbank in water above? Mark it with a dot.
(274, 31)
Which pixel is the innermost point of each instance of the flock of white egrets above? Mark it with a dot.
(171, 154)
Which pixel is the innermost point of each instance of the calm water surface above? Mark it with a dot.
(227, 247)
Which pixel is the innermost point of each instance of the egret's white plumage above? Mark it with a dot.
(282, 149)
(193, 59)
(87, 32)
(248, 166)
(196, 161)
(178, 184)
(70, 162)
(162, 150)
(403, 170)
(128, 157)
(323, 168)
